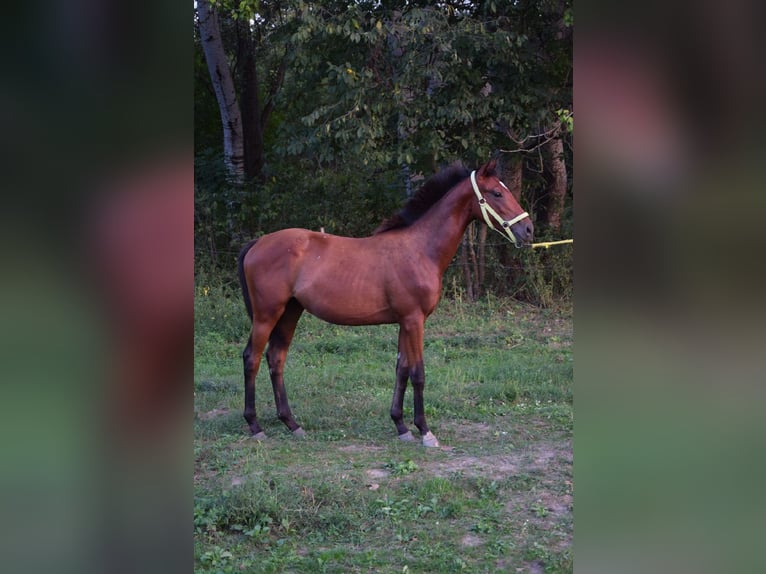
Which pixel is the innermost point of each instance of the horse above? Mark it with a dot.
(393, 276)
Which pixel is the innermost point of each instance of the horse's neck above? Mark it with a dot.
(441, 229)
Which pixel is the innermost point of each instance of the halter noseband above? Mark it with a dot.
(486, 211)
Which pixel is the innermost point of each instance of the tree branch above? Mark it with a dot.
(548, 135)
(275, 86)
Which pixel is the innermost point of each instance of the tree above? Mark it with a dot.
(422, 84)
(225, 92)
(557, 187)
(229, 34)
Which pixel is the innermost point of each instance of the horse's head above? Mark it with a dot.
(497, 206)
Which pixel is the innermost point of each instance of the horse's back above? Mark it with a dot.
(344, 280)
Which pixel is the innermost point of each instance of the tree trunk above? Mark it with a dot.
(252, 127)
(512, 174)
(225, 93)
(482, 255)
(557, 188)
(466, 269)
(474, 262)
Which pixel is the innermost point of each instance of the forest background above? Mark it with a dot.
(330, 115)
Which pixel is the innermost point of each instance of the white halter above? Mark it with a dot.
(486, 211)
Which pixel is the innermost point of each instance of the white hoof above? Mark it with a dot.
(429, 440)
(407, 437)
(259, 436)
(299, 432)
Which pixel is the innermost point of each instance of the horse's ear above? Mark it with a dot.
(488, 168)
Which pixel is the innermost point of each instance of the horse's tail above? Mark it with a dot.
(242, 281)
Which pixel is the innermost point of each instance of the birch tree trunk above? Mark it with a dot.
(225, 92)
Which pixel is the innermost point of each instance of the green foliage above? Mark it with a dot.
(402, 468)
(219, 313)
(427, 83)
(548, 275)
(376, 92)
(216, 558)
(342, 201)
(567, 119)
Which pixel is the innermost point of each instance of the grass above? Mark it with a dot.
(497, 496)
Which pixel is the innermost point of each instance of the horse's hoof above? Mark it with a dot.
(299, 432)
(406, 437)
(429, 440)
(259, 436)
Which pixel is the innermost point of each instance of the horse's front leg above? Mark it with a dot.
(397, 403)
(411, 335)
(418, 378)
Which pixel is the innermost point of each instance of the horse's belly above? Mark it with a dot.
(347, 310)
(345, 301)
(352, 316)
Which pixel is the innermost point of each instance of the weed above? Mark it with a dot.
(206, 515)
(483, 527)
(402, 468)
(539, 510)
(393, 509)
(216, 558)
(553, 562)
(488, 491)
(259, 532)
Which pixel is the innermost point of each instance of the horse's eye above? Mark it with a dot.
(497, 194)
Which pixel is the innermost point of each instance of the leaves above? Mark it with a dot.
(371, 94)
(424, 71)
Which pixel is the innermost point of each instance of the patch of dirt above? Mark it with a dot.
(542, 496)
(474, 430)
(377, 474)
(360, 448)
(493, 467)
(536, 458)
(471, 540)
(213, 414)
(557, 504)
(504, 565)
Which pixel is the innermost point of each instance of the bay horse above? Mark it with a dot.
(393, 276)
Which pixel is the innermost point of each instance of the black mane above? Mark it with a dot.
(432, 191)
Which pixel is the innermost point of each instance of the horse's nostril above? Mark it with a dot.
(529, 230)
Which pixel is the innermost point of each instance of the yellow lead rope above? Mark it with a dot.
(547, 244)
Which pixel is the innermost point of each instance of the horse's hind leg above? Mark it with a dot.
(279, 342)
(251, 358)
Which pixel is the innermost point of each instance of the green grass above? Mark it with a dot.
(350, 497)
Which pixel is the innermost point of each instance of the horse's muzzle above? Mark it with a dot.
(524, 232)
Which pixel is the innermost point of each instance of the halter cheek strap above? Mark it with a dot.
(486, 211)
